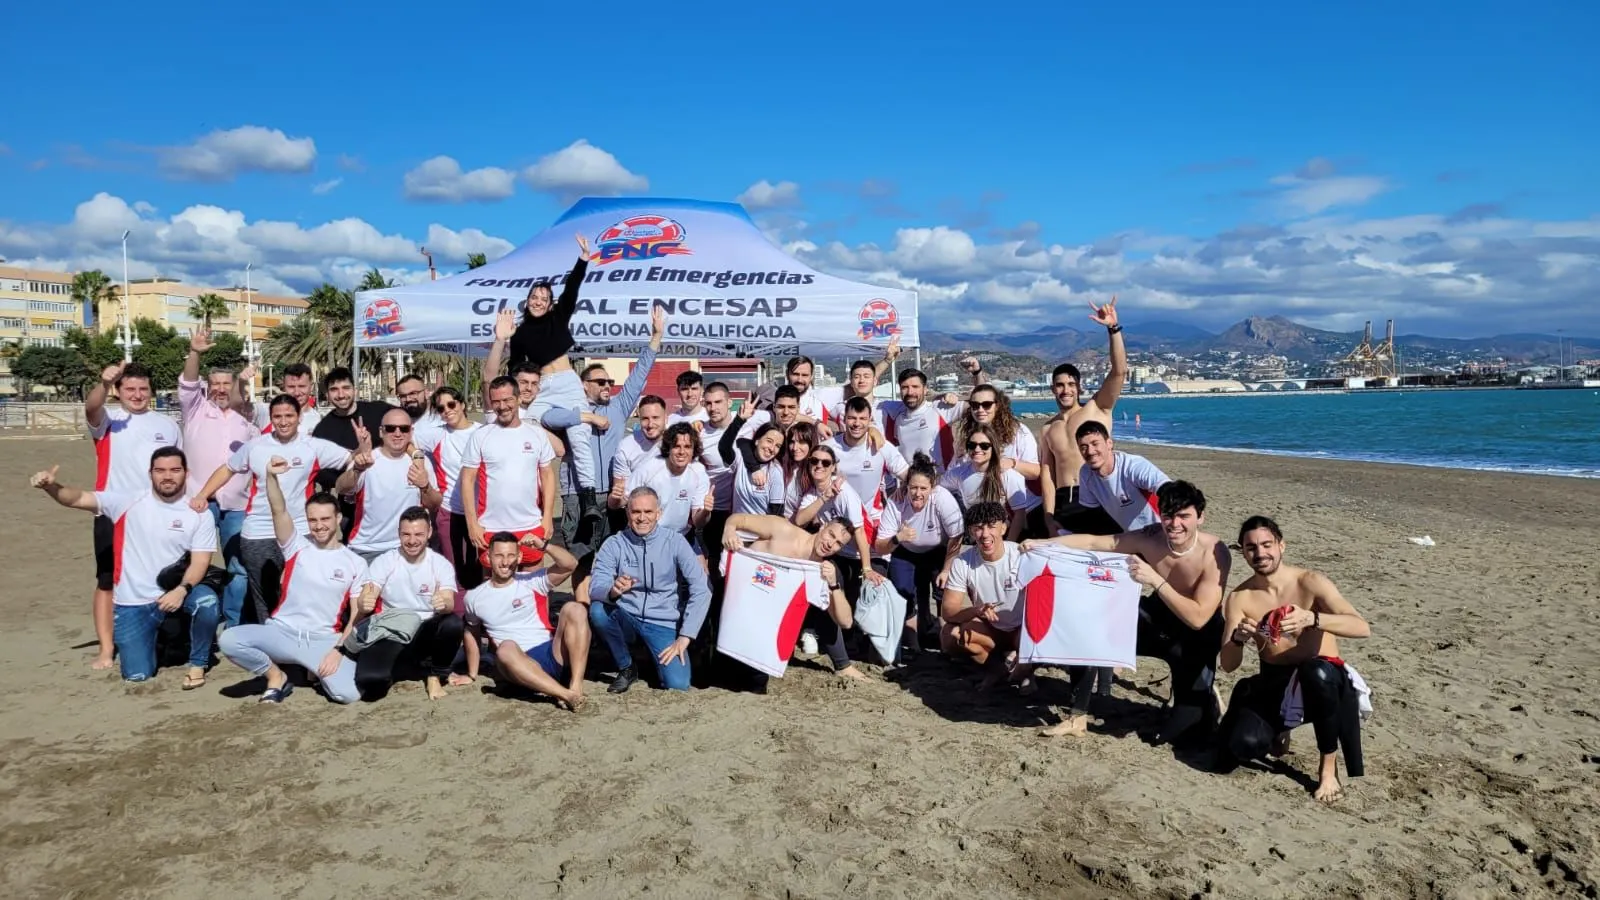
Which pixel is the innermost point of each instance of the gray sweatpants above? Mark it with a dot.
(255, 648)
(263, 566)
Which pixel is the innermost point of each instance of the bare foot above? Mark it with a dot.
(1280, 744)
(195, 678)
(460, 680)
(435, 689)
(1329, 790)
(1070, 726)
(852, 672)
(573, 701)
(101, 661)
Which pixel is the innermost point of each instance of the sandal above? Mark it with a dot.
(192, 681)
(277, 694)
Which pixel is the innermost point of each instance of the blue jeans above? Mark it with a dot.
(229, 523)
(621, 628)
(134, 631)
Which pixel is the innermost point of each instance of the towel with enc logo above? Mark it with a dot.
(1079, 608)
(764, 606)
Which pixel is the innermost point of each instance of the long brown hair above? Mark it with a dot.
(801, 431)
(1004, 427)
(991, 489)
(807, 482)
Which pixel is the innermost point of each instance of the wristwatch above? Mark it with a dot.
(1114, 329)
(187, 587)
(1316, 619)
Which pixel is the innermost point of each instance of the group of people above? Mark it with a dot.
(368, 537)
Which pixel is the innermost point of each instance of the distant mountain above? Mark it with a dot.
(1258, 335)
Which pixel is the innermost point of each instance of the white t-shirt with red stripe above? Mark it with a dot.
(991, 581)
(383, 492)
(147, 535)
(123, 442)
(1128, 494)
(309, 417)
(410, 586)
(818, 403)
(929, 429)
(446, 449)
(836, 411)
(306, 456)
(518, 611)
(864, 469)
(508, 461)
(844, 504)
(680, 495)
(966, 482)
(936, 522)
(317, 584)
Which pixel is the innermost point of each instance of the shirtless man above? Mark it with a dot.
(1180, 621)
(777, 536)
(1059, 458)
(1303, 641)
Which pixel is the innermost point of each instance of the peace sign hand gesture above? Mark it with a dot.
(1105, 315)
(363, 437)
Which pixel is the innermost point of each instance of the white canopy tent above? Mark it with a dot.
(727, 290)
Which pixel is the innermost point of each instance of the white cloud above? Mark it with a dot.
(766, 195)
(579, 169)
(441, 180)
(222, 155)
(326, 187)
(207, 244)
(1315, 196)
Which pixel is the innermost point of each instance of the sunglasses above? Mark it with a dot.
(448, 404)
(983, 404)
(400, 429)
(603, 382)
(979, 445)
(820, 461)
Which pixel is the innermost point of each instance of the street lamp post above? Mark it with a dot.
(127, 325)
(249, 320)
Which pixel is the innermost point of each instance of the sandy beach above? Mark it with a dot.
(1483, 755)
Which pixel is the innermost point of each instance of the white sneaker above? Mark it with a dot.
(808, 642)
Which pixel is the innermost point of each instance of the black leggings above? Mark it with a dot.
(469, 572)
(914, 573)
(1255, 712)
(434, 645)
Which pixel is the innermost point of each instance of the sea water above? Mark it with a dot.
(1538, 432)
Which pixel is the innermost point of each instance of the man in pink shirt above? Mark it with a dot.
(212, 432)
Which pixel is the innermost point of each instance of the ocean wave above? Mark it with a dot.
(1423, 462)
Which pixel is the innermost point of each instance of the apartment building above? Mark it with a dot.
(166, 300)
(36, 307)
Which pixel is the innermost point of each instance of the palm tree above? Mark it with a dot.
(94, 288)
(476, 260)
(374, 281)
(334, 310)
(207, 307)
(296, 340)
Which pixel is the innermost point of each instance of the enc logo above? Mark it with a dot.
(177, 525)
(1101, 573)
(879, 320)
(765, 576)
(640, 237)
(382, 318)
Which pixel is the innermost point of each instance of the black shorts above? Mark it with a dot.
(1080, 519)
(105, 558)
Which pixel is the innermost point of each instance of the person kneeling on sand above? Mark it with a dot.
(512, 609)
(779, 537)
(1180, 620)
(980, 608)
(648, 584)
(1293, 617)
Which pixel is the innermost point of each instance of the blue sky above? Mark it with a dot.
(1427, 161)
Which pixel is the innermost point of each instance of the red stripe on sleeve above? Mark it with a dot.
(116, 548)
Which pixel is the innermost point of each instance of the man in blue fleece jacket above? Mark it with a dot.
(636, 592)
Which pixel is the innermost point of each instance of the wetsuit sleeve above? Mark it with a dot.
(725, 445)
(747, 451)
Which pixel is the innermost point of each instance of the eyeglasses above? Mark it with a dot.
(603, 382)
(820, 461)
(401, 429)
(979, 445)
(983, 404)
(448, 404)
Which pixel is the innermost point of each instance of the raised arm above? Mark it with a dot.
(890, 354)
(505, 325)
(633, 386)
(94, 402)
(282, 522)
(561, 564)
(71, 498)
(1111, 387)
(199, 342)
(568, 301)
